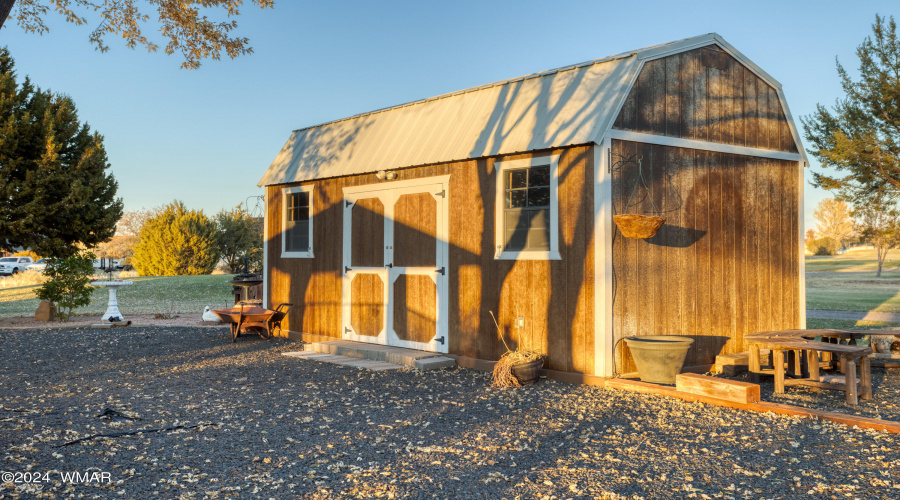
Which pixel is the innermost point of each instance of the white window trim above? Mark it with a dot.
(284, 204)
(553, 253)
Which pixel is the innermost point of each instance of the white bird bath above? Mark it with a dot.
(112, 308)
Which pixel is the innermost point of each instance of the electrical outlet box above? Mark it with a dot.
(520, 322)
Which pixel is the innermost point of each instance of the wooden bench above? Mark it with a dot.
(804, 369)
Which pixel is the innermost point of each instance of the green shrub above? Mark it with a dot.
(823, 246)
(175, 242)
(69, 283)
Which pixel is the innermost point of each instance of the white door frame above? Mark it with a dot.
(388, 193)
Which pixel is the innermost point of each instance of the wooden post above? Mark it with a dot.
(865, 377)
(850, 379)
(778, 360)
(754, 363)
(812, 358)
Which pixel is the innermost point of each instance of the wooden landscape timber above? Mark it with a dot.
(704, 130)
(729, 390)
(761, 407)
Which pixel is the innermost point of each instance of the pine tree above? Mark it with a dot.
(176, 241)
(860, 137)
(54, 189)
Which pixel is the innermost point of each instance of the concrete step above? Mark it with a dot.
(732, 365)
(367, 364)
(420, 360)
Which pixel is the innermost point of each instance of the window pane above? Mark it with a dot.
(538, 238)
(515, 199)
(539, 176)
(539, 197)
(303, 236)
(301, 213)
(539, 218)
(516, 219)
(296, 238)
(298, 208)
(517, 179)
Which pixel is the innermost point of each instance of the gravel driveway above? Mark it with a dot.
(272, 426)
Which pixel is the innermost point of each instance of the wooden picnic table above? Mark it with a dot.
(805, 370)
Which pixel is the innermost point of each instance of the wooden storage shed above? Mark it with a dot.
(408, 225)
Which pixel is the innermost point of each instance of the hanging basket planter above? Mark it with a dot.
(638, 226)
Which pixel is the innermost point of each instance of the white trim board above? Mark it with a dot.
(801, 246)
(267, 280)
(604, 340)
(663, 140)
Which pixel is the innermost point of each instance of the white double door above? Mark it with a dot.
(395, 264)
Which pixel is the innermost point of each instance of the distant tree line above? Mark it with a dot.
(838, 227)
(174, 240)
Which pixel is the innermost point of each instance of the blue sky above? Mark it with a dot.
(205, 137)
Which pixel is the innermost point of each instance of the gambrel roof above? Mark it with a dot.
(562, 107)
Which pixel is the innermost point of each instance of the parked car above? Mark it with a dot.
(39, 266)
(108, 264)
(13, 265)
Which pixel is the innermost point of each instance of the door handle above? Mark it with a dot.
(391, 265)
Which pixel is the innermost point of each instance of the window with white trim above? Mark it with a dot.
(297, 222)
(527, 218)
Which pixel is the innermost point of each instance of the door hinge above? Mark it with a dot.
(389, 265)
(347, 269)
(349, 203)
(440, 339)
(442, 194)
(347, 330)
(441, 271)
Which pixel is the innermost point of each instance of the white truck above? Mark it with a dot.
(107, 263)
(14, 265)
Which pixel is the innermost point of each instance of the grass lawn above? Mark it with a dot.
(148, 295)
(853, 292)
(850, 283)
(855, 260)
(847, 282)
(847, 324)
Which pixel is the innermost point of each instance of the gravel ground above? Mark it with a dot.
(885, 403)
(271, 426)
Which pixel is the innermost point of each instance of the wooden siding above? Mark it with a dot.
(368, 233)
(414, 311)
(725, 264)
(707, 95)
(415, 227)
(367, 313)
(555, 297)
